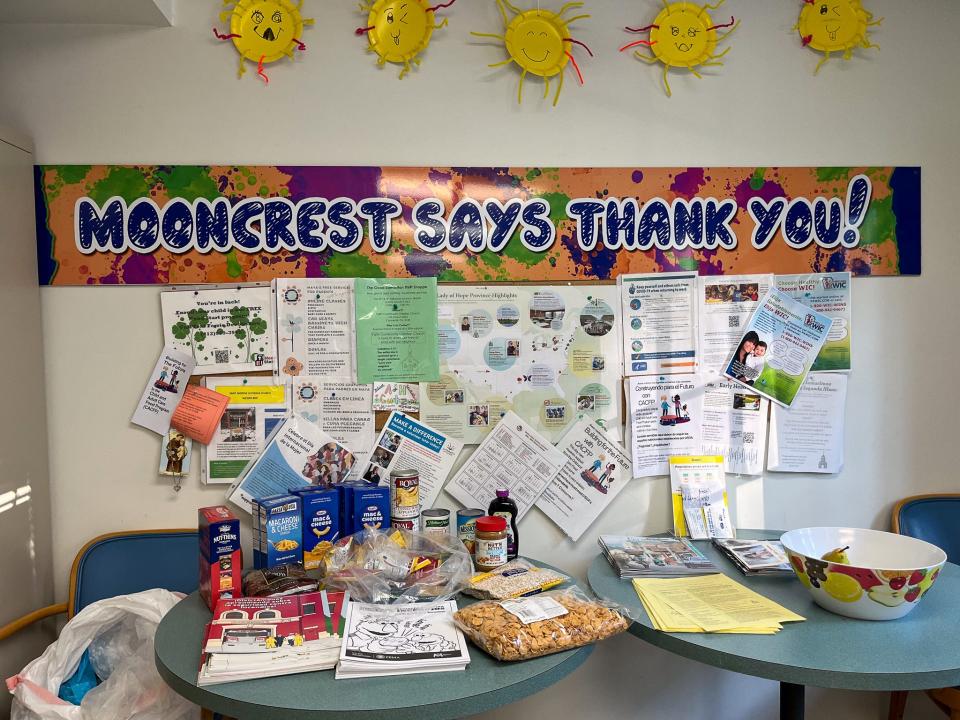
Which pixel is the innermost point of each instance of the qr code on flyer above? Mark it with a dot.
(733, 321)
(748, 438)
(221, 356)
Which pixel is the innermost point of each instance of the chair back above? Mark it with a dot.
(129, 562)
(934, 518)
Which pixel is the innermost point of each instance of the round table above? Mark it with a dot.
(918, 652)
(485, 684)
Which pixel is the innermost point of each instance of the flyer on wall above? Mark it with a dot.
(390, 396)
(406, 444)
(596, 470)
(396, 330)
(808, 436)
(340, 409)
(734, 426)
(163, 391)
(829, 294)
(698, 490)
(777, 347)
(665, 418)
(256, 406)
(315, 327)
(659, 313)
(550, 354)
(298, 453)
(726, 304)
(513, 456)
(224, 329)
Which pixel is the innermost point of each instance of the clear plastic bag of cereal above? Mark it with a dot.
(543, 624)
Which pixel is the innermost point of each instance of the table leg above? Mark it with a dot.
(791, 701)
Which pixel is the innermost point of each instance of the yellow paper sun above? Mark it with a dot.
(683, 36)
(536, 40)
(830, 26)
(399, 30)
(263, 31)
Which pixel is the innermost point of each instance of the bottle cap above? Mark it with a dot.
(503, 493)
(491, 523)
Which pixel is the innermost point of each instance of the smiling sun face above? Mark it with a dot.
(830, 26)
(264, 31)
(536, 40)
(399, 30)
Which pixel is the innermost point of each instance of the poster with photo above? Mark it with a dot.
(734, 426)
(340, 409)
(595, 471)
(315, 327)
(550, 354)
(778, 347)
(224, 329)
(726, 304)
(659, 313)
(257, 405)
(829, 294)
(666, 414)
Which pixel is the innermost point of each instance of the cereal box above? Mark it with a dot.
(221, 558)
(277, 531)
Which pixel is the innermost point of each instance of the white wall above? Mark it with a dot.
(106, 95)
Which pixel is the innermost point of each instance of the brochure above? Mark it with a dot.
(808, 436)
(407, 444)
(389, 396)
(256, 406)
(341, 409)
(777, 347)
(550, 354)
(657, 556)
(164, 389)
(828, 294)
(400, 639)
(513, 456)
(228, 329)
(299, 453)
(596, 470)
(315, 327)
(659, 313)
(198, 413)
(665, 418)
(726, 304)
(756, 557)
(396, 330)
(735, 426)
(698, 488)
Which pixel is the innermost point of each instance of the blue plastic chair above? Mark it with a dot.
(936, 519)
(122, 563)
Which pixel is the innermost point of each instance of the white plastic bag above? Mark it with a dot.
(119, 632)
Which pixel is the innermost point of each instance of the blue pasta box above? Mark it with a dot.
(320, 510)
(277, 531)
(365, 506)
(221, 558)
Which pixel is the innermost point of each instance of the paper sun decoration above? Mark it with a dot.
(830, 26)
(263, 31)
(683, 36)
(399, 30)
(536, 40)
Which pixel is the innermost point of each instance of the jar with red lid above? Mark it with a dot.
(491, 543)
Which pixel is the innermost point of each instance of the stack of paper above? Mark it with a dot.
(634, 556)
(401, 639)
(710, 604)
(755, 557)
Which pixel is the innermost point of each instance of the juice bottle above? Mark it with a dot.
(503, 506)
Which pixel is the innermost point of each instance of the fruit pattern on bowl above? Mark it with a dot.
(848, 584)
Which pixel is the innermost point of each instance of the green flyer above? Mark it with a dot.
(397, 330)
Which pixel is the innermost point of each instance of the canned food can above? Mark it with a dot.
(405, 493)
(467, 527)
(436, 521)
(409, 524)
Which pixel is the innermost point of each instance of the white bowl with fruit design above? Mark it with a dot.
(863, 574)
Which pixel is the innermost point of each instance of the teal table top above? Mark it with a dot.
(917, 652)
(485, 684)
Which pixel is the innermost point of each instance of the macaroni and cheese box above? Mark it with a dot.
(277, 531)
(364, 506)
(320, 509)
(221, 559)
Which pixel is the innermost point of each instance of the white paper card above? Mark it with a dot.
(534, 609)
